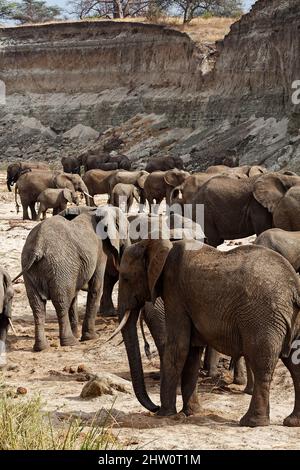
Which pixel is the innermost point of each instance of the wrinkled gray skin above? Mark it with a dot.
(123, 195)
(59, 258)
(283, 242)
(71, 164)
(6, 297)
(255, 319)
(137, 178)
(14, 170)
(98, 181)
(56, 199)
(31, 184)
(240, 172)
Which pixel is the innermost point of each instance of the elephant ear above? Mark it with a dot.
(112, 228)
(256, 170)
(7, 294)
(67, 195)
(175, 177)
(157, 252)
(141, 180)
(62, 180)
(269, 190)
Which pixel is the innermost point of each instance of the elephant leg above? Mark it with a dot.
(190, 373)
(263, 366)
(107, 308)
(41, 212)
(211, 362)
(93, 299)
(25, 211)
(33, 211)
(238, 372)
(73, 317)
(293, 419)
(38, 307)
(175, 354)
(250, 379)
(65, 333)
(155, 321)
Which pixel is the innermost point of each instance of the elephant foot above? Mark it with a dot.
(87, 336)
(191, 410)
(249, 390)
(166, 412)
(40, 346)
(252, 421)
(68, 341)
(75, 332)
(292, 421)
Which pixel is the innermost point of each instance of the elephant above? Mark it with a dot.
(280, 195)
(137, 178)
(231, 209)
(189, 187)
(164, 164)
(283, 242)
(61, 256)
(56, 199)
(244, 171)
(91, 162)
(98, 181)
(6, 298)
(14, 170)
(159, 185)
(254, 319)
(122, 160)
(70, 164)
(32, 183)
(123, 195)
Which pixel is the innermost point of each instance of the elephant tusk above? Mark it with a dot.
(12, 327)
(120, 327)
(88, 195)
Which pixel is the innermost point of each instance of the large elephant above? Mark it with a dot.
(71, 164)
(164, 164)
(6, 297)
(62, 256)
(283, 242)
(185, 193)
(98, 181)
(137, 178)
(32, 183)
(15, 170)
(254, 319)
(159, 185)
(231, 209)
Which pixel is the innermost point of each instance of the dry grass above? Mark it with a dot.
(200, 30)
(25, 426)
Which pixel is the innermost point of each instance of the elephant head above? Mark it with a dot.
(6, 296)
(140, 272)
(73, 183)
(280, 194)
(142, 178)
(175, 177)
(13, 172)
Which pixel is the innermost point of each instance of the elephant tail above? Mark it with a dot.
(34, 258)
(292, 331)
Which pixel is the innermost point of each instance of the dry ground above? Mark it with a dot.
(42, 373)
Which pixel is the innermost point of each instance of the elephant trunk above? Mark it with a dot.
(131, 341)
(9, 184)
(87, 196)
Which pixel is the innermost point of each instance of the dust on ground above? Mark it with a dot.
(48, 374)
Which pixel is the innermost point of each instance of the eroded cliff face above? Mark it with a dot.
(237, 109)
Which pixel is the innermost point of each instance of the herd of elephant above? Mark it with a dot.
(243, 303)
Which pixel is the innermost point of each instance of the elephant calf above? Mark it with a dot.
(6, 296)
(56, 199)
(122, 196)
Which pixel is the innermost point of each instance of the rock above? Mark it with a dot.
(106, 384)
(83, 368)
(21, 391)
(82, 133)
(13, 152)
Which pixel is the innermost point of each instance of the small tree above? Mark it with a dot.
(192, 8)
(34, 11)
(6, 9)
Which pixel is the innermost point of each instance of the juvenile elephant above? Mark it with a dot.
(164, 164)
(56, 199)
(285, 243)
(14, 170)
(71, 164)
(6, 297)
(31, 184)
(123, 195)
(255, 319)
(160, 184)
(62, 256)
(137, 178)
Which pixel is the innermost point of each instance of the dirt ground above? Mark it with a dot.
(43, 373)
